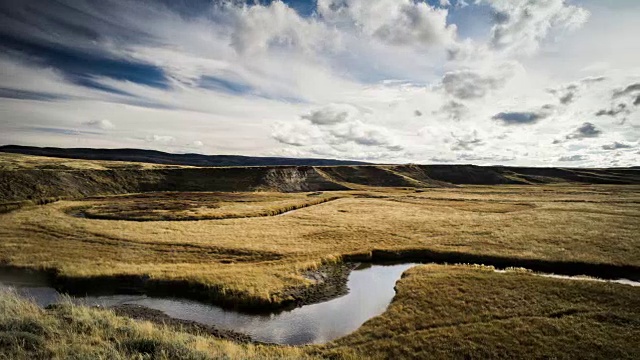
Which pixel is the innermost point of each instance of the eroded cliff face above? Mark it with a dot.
(295, 179)
(38, 184)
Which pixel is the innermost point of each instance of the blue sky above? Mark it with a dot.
(510, 82)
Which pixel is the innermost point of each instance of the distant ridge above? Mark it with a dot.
(159, 157)
(43, 182)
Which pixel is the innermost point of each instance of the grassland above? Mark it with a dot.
(439, 312)
(229, 249)
(256, 260)
(454, 312)
(197, 206)
(28, 332)
(12, 162)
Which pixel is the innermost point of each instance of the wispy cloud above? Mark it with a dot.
(394, 81)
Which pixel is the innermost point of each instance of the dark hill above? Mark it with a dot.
(159, 157)
(40, 184)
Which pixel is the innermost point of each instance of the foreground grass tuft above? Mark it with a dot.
(439, 312)
(459, 312)
(75, 332)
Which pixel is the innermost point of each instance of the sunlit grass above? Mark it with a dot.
(255, 259)
(454, 312)
(76, 332)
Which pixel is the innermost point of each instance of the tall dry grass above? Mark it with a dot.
(76, 332)
(459, 312)
(256, 258)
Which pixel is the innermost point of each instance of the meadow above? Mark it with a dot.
(461, 312)
(254, 260)
(254, 250)
(439, 312)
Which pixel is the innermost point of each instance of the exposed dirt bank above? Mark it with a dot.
(571, 268)
(330, 279)
(33, 184)
(330, 282)
(139, 312)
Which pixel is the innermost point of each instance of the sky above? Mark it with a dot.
(486, 82)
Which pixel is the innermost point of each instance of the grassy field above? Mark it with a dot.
(28, 332)
(197, 206)
(27, 162)
(445, 312)
(439, 312)
(255, 260)
(230, 249)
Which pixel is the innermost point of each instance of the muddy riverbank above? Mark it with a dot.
(330, 279)
(139, 312)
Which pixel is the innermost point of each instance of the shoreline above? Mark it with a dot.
(330, 279)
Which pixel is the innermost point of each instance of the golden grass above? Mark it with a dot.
(439, 312)
(256, 258)
(197, 206)
(76, 332)
(445, 312)
(10, 161)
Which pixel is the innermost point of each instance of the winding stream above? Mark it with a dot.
(371, 289)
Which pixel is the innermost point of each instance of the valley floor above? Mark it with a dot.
(439, 312)
(240, 255)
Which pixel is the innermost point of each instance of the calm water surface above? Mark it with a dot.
(371, 290)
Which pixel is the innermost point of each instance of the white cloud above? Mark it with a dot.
(331, 114)
(346, 82)
(523, 24)
(468, 84)
(258, 27)
(395, 22)
(162, 139)
(102, 124)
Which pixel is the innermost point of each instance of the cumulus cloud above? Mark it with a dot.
(616, 146)
(491, 158)
(331, 114)
(585, 131)
(567, 98)
(363, 134)
(466, 142)
(469, 84)
(452, 110)
(568, 93)
(295, 134)
(593, 79)
(521, 25)
(619, 109)
(519, 118)
(102, 124)
(161, 139)
(341, 127)
(395, 22)
(258, 27)
(572, 158)
(631, 89)
(342, 80)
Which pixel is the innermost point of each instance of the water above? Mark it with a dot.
(370, 292)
